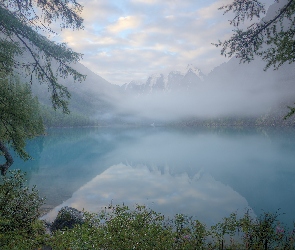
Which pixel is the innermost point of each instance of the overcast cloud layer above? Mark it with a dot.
(126, 40)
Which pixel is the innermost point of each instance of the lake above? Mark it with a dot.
(204, 172)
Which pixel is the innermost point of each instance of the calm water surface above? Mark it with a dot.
(208, 173)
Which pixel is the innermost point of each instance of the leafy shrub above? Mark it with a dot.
(263, 232)
(119, 227)
(20, 227)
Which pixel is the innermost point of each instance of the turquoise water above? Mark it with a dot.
(208, 173)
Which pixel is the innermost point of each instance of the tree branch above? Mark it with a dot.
(56, 98)
(242, 41)
(9, 161)
(271, 21)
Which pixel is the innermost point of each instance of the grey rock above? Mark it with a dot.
(67, 217)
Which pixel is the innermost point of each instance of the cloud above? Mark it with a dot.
(135, 38)
(99, 12)
(124, 23)
(224, 94)
(211, 11)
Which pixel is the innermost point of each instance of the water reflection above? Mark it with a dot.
(201, 196)
(256, 165)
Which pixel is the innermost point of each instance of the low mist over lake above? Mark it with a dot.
(147, 124)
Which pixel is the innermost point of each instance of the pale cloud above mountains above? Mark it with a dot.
(131, 39)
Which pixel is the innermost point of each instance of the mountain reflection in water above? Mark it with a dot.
(163, 192)
(206, 172)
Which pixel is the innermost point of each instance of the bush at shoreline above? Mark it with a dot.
(120, 227)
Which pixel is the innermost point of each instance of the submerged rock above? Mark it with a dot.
(67, 217)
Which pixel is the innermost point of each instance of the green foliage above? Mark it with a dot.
(273, 39)
(19, 115)
(188, 233)
(20, 227)
(8, 50)
(24, 51)
(66, 10)
(264, 232)
(120, 227)
(44, 59)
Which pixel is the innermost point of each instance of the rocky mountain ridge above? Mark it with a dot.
(173, 81)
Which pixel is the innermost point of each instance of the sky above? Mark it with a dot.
(125, 40)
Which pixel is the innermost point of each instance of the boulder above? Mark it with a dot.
(67, 217)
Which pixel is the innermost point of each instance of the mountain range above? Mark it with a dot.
(173, 81)
(231, 94)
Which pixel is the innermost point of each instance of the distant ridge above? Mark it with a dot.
(173, 81)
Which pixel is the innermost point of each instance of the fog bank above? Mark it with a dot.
(240, 91)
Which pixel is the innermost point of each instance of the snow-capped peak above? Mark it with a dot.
(176, 72)
(133, 84)
(195, 70)
(153, 79)
(173, 81)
